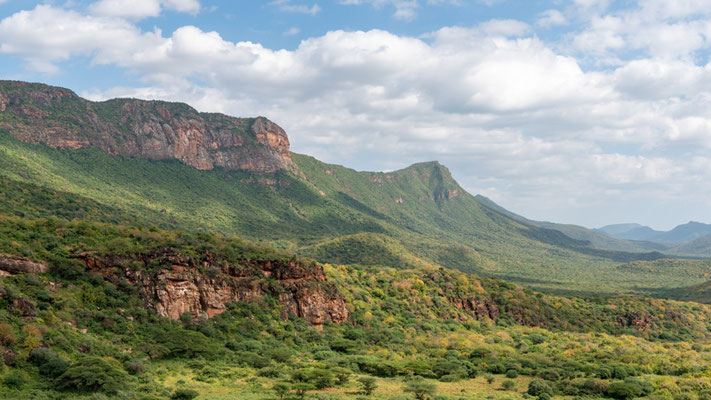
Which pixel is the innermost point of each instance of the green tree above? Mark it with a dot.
(94, 373)
(508, 384)
(367, 385)
(281, 390)
(420, 388)
(302, 388)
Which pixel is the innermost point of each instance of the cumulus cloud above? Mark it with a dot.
(286, 5)
(550, 18)
(139, 9)
(513, 116)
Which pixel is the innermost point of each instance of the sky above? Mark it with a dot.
(589, 112)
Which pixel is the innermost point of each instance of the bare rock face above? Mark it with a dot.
(483, 309)
(205, 287)
(10, 265)
(156, 130)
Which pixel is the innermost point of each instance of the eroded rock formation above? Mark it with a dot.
(156, 130)
(185, 284)
(10, 265)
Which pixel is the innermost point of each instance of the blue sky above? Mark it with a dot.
(581, 111)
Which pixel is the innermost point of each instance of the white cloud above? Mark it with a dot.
(286, 5)
(292, 31)
(404, 9)
(550, 18)
(139, 9)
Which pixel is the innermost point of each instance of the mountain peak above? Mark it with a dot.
(156, 130)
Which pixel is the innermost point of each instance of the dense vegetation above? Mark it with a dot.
(71, 334)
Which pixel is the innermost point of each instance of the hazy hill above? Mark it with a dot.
(592, 236)
(680, 234)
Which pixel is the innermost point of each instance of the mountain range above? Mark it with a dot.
(680, 234)
(173, 166)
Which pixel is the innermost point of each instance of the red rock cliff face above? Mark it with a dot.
(35, 113)
(205, 287)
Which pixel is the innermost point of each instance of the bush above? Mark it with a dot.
(135, 367)
(54, 367)
(512, 374)
(7, 334)
(184, 394)
(537, 387)
(94, 373)
(13, 381)
(508, 384)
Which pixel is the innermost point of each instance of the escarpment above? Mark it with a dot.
(155, 130)
(174, 284)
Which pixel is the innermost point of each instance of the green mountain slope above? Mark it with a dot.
(415, 217)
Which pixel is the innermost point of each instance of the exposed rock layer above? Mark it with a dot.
(10, 265)
(204, 287)
(156, 130)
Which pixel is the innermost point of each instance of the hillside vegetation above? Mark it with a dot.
(71, 332)
(414, 217)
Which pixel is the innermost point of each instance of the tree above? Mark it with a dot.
(421, 389)
(94, 373)
(301, 388)
(281, 389)
(367, 385)
(489, 378)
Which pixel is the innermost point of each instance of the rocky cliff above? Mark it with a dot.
(156, 130)
(204, 285)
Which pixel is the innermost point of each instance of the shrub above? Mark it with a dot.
(54, 367)
(184, 394)
(7, 334)
(135, 367)
(508, 384)
(512, 374)
(537, 387)
(13, 381)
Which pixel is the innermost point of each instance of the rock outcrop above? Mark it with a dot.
(11, 265)
(204, 286)
(156, 130)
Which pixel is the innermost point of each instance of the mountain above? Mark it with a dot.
(593, 237)
(155, 130)
(680, 234)
(133, 275)
(415, 217)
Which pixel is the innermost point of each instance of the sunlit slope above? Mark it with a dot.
(415, 217)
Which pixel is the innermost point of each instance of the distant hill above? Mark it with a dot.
(593, 237)
(680, 234)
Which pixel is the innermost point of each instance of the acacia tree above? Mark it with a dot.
(367, 385)
(421, 389)
(94, 373)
